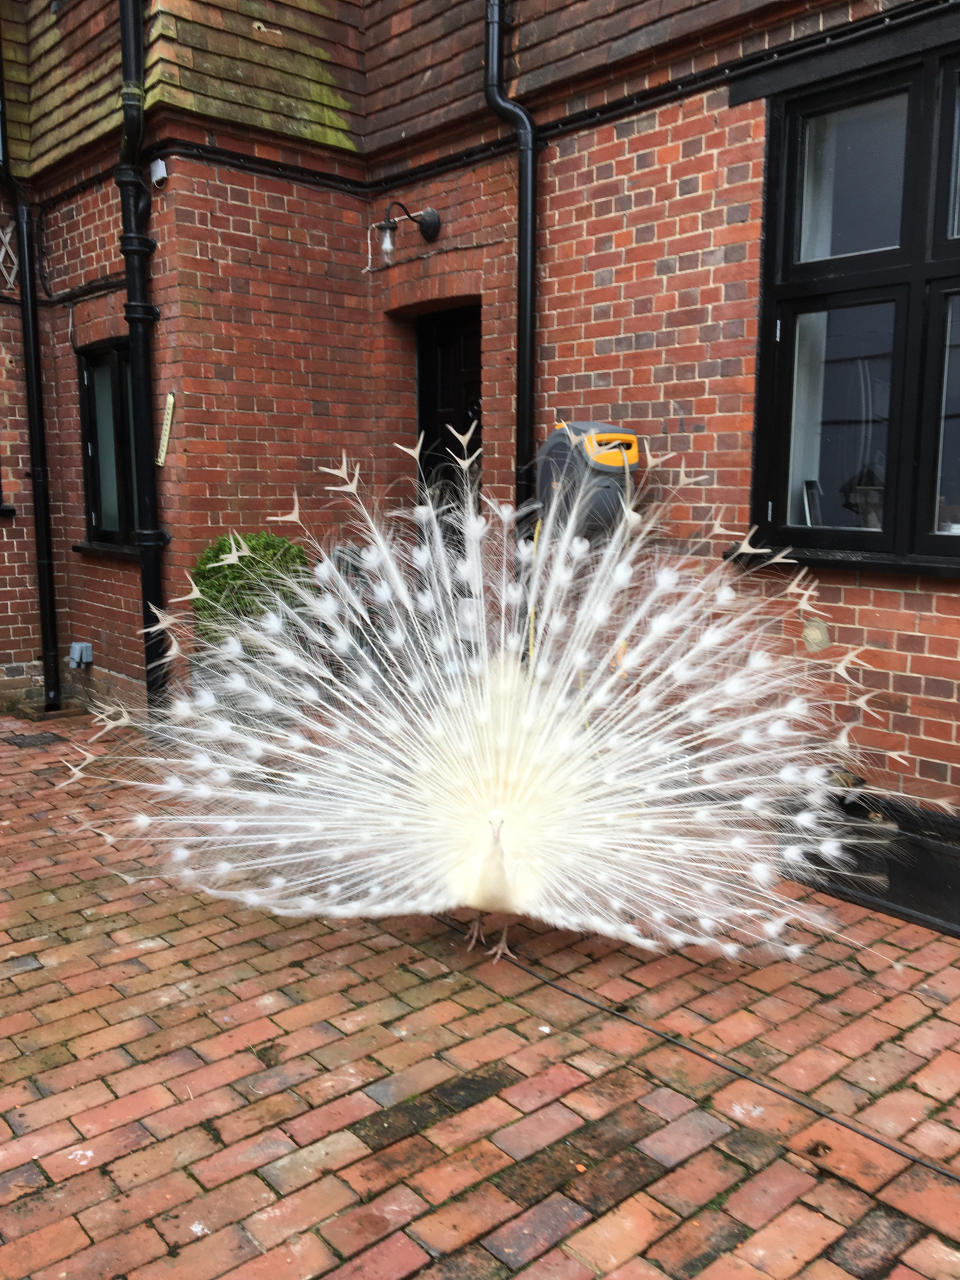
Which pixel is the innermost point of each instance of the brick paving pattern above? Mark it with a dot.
(190, 1089)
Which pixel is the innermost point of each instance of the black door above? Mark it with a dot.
(448, 370)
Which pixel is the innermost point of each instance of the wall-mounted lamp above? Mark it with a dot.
(428, 220)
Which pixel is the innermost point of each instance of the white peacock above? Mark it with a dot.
(602, 735)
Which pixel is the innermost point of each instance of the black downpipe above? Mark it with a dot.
(137, 248)
(526, 244)
(33, 382)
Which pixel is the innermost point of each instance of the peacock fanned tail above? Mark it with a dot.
(460, 712)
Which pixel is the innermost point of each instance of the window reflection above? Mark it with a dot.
(852, 191)
(840, 417)
(948, 468)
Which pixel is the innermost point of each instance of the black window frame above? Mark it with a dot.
(920, 273)
(113, 354)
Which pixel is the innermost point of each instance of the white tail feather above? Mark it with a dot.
(605, 737)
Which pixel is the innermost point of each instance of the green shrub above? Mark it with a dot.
(243, 589)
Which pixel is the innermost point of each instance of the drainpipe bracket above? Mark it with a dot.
(149, 538)
(141, 311)
(134, 242)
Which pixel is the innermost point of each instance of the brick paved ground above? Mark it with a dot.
(189, 1090)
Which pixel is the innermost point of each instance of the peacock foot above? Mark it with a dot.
(475, 933)
(501, 949)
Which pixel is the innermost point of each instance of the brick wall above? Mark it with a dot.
(282, 350)
(19, 619)
(651, 240)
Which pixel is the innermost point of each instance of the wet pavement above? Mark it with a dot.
(190, 1089)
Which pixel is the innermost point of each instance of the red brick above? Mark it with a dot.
(51, 1138)
(289, 1172)
(606, 1093)
(340, 1080)
(210, 1256)
(117, 1256)
(474, 1053)
(327, 1119)
(122, 1111)
(681, 1138)
(298, 1259)
(299, 1211)
(768, 1193)
(619, 1234)
(229, 1042)
(846, 1154)
(470, 1217)
(40, 1248)
(838, 1200)
(787, 1243)
(37, 1115)
(121, 1212)
(53, 1204)
(667, 1103)
(475, 1163)
(556, 1265)
(392, 1259)
(201, 1215)
(473, 1122)
(941, 1077)
(160, 1071)
(932, 1258)
(927, 1196)
(696, 1242)
(410, 1081)
(534, 1232)
(810, 1068)
(217, 1075)
(91, 1152)
(356, 1229)
(546, 1086)
(757, 1108)
(694, 1183)
(393, 1164)
(160, 1158)
(241, 1157)
(537, 1130)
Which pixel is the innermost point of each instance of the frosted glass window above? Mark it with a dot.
(840, 417)
(852, 185)
(108, 516)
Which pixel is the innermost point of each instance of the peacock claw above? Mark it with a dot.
(475, 934)
(501, 949)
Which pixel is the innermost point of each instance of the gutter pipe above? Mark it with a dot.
(33, 384)
(137, 248)
(525, 128)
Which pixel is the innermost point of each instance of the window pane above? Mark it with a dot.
(954, 228)
(948, 470)
(852, 190)
(108, 517)
(131, 454)
(841, 411)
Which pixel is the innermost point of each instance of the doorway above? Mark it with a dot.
(448, 383)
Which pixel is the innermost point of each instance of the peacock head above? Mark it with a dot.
(496, 824)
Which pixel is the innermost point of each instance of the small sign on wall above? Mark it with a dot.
(165, 429)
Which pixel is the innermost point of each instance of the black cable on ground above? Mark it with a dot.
(913, 1156)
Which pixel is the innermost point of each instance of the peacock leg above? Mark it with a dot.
(475, 933)
(501, 949)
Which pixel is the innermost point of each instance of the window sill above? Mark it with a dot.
(821, 558)
(116, 550)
